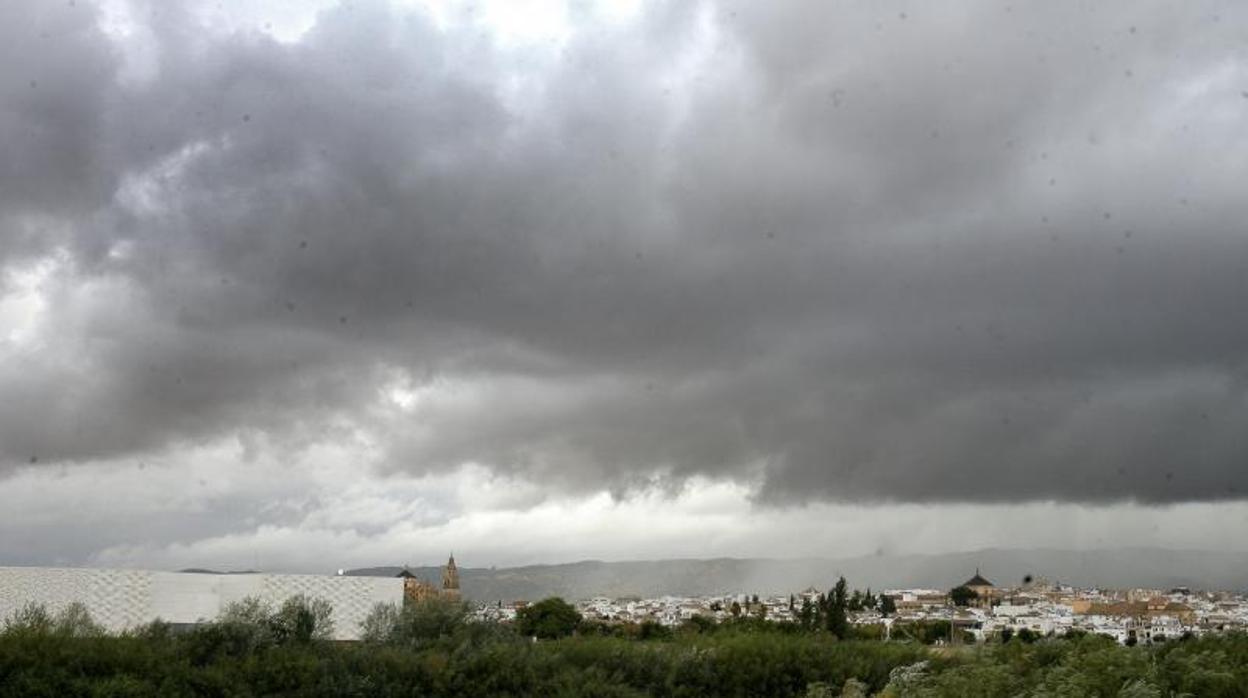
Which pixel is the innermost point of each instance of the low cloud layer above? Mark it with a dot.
(980, 254)
(318, 513)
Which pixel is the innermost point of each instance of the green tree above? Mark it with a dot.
(838, 621)
(548, 618)
(856, 601)
(962, 595)
(75, 621)
(651, 630)
(870, 601)
(887, 606)
(31, 618)
(431, 620)
(929, 632)
(700, 624)
(250, 610)
(253, 623)
(72, 621)
(302, 619)
(806, 616)
(380, 624)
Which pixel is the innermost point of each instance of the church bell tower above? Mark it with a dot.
(450, 579)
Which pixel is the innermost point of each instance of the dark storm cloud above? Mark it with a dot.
(53, 144)
(976, 254)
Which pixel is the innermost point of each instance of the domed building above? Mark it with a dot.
(985, 591)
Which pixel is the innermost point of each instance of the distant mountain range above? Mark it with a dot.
(1128, 567)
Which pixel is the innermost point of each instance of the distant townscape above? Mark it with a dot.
(975, 611)
(411, 632)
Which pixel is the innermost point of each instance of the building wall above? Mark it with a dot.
(416, 590)
(120, 599)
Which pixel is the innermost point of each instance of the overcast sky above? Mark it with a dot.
(312, 284)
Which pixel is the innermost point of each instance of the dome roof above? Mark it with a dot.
(977, 581)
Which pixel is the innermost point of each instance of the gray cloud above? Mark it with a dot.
(982, 254)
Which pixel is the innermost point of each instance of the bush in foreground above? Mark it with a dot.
(434, 650)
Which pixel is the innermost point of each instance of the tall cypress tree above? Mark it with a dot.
(807, 614)
(887, 605)
(838, 621)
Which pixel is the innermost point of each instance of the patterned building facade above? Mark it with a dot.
(120, 599)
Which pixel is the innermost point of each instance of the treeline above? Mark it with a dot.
(435, 648)
(831, 611)
(1085, 665)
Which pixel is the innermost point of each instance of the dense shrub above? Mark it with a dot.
(432, 650)
(548, 619)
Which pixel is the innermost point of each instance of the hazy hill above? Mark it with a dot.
(1145, 567)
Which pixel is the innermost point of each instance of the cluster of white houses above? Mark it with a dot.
(1043, 608)
(1040, 607)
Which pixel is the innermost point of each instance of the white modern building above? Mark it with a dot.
(119, 599)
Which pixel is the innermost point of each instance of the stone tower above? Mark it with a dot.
(450, 579)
